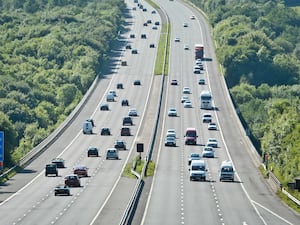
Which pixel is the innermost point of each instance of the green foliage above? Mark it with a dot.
(50, 53)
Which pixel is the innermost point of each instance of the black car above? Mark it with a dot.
(60, 163)
(51, 169)
(127, 120)
(105, 131)
(134, 51)
(137, 82)
(93, 151)
(151, 46)
(120, 144)
(104, 107)
(125, 102)
(62, 190)
(125, 131)
(143, 36)
(119, 86)
(128, 46)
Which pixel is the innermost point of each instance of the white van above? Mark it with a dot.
(226, 171)
(87, 127)
(198, 170)
(110, 97)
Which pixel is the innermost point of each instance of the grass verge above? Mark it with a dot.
(139, 168)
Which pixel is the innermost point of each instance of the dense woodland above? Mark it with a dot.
(258, 44)
(50, 53)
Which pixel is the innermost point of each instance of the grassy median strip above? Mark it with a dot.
(138, 168)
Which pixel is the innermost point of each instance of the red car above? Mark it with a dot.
(81, 171)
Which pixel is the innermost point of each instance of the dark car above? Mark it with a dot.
(134, 51)
(104, 107)
(72, 180)
(137, 82)
(105, 131)
(127, 120)
(125, 102)
(132, 36)
(60, 163)
(151, 46)
(128, 46)
(51, 169)
(62, 190)
(125, 131)
(156, 23)
(120, 144)
(145, 24)
(123, 63)
(174, 82)
(81, 171)
(143, 36)
(119, 86)
(92, 151)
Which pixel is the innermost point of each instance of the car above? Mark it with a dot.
(201, 81)
(128, 46)
(145, 24)
(51, 169)
(186, 90)
(134, 51)
(132, 35)
(206, 117)
(193, 156)
(152, 45)
(72, 180)
(110, 97)
(127, 120)
(153, 12)
(62, 190)
(212, 126)
(81, 171)
(120, 144)
(92, 151)
(184, 98)
(112, 153)
(187, 104)
(59, 162)
(156, 23)
(170, 141)
(125, 131)
(208, 152)
(177, 39)
(171, 133)
(119, 86)
(185, 25)
(144, 10)
(124, 102)
(226, 171)
(134, 8)
(149, 21)
(199, 62)
(172, 112)
(212, 142)
(123, 63)
(104, 107)
(112, 92)
(143, 36)
(186, 47)
(137, 82)
(174, 82)
(132, 112)
(154, 28)
(105, 131)
(192, 17)
(196, 70)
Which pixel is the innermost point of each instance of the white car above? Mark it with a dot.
(208, 152)
(192, 17)
(170, 141)
(184, 98)
(196, 70)
(206, 117)
(172, 112)
(187, 104)
(212, 126)
(177, 39)
(171, 133)
(193, 156)
(199, 62)
(212, 142)
(185, 25)
(186, 47)
(186, 90)
(132, 112)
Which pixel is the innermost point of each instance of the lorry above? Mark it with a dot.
(199, 51)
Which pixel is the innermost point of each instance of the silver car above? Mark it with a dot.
(208, 152)
(170, 141)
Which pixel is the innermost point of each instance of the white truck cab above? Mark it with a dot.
(226, 171)
(87, 127)
(198, 170)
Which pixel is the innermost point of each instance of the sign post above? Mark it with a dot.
(1, 150)
(140, 149)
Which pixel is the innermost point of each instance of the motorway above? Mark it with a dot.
(173, 198)
(28, 198)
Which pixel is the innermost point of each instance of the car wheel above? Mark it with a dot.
(55, 194)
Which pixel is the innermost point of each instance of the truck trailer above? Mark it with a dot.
(199, 51)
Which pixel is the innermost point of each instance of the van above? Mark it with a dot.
(226, 171)
(110, 97)
(87, 127)
(198, 170)
(191, 136)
